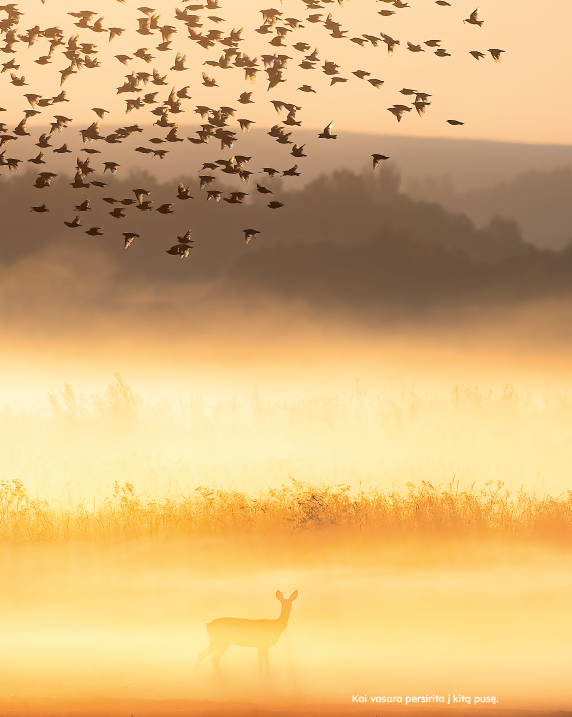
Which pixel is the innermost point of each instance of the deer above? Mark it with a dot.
(262, 634)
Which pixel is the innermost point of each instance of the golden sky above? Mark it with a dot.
(522, 99)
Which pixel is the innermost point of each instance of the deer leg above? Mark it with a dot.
(267, 661)
(218, 654)
(263, 659)
(205, 653)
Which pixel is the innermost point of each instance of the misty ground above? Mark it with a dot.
(174, 708)
(393, 617)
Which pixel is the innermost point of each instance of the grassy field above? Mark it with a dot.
(117, 546)
(296, 507)
(112, 466)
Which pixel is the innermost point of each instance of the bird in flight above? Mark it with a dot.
(377, 158)
(496, 55)
(473, 19)
(74, 223)
(399, 110)
(152, 91)
(250, 234)
(327, 132)
(129, 237)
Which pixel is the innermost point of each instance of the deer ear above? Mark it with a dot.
(294, 595)
(279, 595)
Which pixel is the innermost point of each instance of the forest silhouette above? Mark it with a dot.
(350, 240)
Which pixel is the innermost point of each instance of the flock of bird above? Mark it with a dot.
(81, 55)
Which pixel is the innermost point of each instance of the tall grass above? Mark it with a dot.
(176, 452)
(293, 508)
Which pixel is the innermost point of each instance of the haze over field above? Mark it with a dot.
(421, 618)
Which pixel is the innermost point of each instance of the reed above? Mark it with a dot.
(296, 507)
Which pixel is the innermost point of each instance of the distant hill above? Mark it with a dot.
(341, 208)
(469, 164)
(538, 200)
(347, 240)
(529, 184)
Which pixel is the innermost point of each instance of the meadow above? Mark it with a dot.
(112, 466)
(126, 524)
(293, 508)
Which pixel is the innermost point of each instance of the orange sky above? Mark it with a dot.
(522, 99)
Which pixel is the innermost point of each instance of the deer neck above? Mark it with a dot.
(282, 620)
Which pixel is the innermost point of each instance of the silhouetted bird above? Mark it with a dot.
(183, 192)
(473, 19)
(496, 54)
(377, 158)
(139, 194)
(250, 234)
(327, 132)
(181, 250)
(129, 237)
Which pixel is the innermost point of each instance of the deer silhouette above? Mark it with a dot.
(262, 634)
